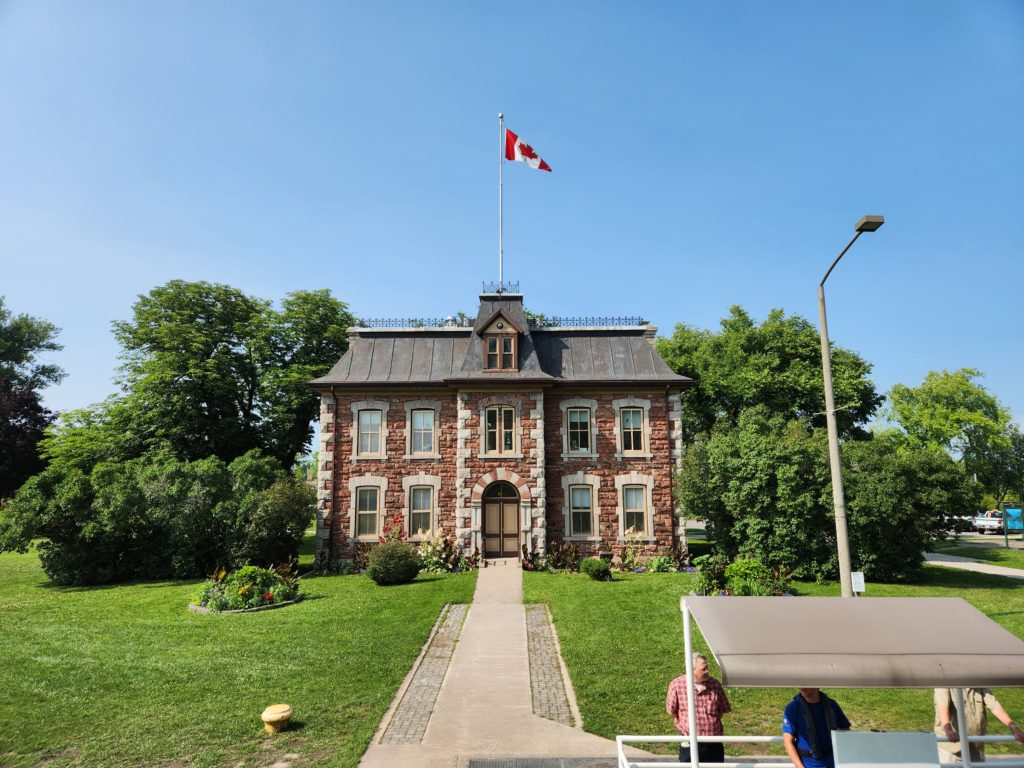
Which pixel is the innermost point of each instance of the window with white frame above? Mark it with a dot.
(367, 511)
(581, 506)
(581, 510)
(422, 431)
(368, 438)
(632, 426)
(579, 430)
(499, 429)
(634, 508)
(421, 510)
(370, 429)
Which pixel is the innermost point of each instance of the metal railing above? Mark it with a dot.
(586, 322)
(416, 322)
(505, 286)
(769, 761)
(535, 322)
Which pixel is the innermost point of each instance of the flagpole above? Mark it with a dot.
(501, 164)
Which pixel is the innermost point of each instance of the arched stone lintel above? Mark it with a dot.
(501, 474)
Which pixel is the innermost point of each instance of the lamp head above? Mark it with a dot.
(869, 223)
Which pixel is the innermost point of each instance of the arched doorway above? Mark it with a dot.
(501, 520)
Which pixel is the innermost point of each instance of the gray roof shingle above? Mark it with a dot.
(452, 356)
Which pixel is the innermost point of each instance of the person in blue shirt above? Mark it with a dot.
(807, 726)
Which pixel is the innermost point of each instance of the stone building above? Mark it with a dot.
(507, 432)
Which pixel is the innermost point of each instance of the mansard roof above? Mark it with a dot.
(447, 354)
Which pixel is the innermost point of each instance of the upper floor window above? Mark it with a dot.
(634, 508)
(579, 430)
(422, 431)
(499, 429)
(368, 439)
(500, 352)
(421, 506)
(581, 517)
(632, 425)
(367, 508)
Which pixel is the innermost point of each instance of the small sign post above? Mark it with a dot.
(857, 580)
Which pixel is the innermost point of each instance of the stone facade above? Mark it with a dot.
(386, 475)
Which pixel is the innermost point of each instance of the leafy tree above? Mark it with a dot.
(22, 421)
(157, 516)
(900, 498)
(763, 488)
(952, 412)
(22, 338)
(22, 416)
(214, 372)
(776, 364)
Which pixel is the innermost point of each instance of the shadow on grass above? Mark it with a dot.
(70, 588)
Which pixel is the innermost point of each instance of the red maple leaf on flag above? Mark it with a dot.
(527, 151)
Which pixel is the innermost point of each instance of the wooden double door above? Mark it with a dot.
(501, 528)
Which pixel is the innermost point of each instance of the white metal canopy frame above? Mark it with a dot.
(829, 642)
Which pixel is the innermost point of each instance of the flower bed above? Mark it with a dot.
(268, 607)
(250, 588)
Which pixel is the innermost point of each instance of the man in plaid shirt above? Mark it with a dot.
(710, 702)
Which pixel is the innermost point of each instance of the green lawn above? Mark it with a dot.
(622, 642)
(124, 675)
(1010, 558)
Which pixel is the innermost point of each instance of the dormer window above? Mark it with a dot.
(500, 352)
(499, 340)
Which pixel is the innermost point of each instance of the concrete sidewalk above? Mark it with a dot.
(484, 708)
(967, 564)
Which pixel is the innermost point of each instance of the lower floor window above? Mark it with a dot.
(581, 510)
(367, 506)
(420, 510)
(634, 508)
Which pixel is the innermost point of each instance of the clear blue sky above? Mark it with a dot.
(704, 154)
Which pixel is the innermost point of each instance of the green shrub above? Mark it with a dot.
(157, 517)
(633, 550)
(596, 568)
(563, 557)
(393, 562)
(248, 587)
(751, 577)
(660, 564)
(710, 576)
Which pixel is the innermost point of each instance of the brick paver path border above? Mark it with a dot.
(546, 684)
(409, 723)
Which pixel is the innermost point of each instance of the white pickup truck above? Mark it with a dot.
(988, 522)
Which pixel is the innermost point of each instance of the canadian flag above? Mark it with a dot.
(516, 149)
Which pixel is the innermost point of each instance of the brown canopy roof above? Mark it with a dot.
(879, 642)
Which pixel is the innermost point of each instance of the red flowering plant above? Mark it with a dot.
(394, 531)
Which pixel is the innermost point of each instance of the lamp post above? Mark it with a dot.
(866, 224)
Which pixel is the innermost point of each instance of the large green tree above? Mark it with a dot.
(22, 374)
(214, 372)
(775, 364)
(22, 421)
(954, 412)
(22, 339)
(763, 488)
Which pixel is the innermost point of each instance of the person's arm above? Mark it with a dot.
(842, 721)
(1004, 718)
(942, 713)
(790, 744)
(672, 701)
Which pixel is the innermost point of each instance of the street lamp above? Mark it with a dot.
(866, 224)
